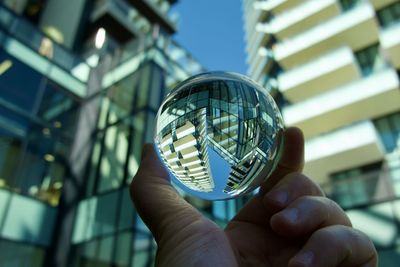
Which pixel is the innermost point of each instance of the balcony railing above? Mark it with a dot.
(365, 189)
(117, 12)
(51, 58)
(27, 33)
(177, 61)
(156, 13)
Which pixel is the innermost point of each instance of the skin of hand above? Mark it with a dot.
(288, 223)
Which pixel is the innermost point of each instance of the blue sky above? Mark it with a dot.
(212, 30)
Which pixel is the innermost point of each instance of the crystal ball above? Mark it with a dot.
(219, 134)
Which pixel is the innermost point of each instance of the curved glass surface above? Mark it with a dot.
(219, 134)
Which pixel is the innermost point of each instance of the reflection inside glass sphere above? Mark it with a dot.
(219, 134)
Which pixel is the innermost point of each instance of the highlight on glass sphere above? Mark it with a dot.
(219, 134)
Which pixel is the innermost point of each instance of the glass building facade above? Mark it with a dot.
(80, 85)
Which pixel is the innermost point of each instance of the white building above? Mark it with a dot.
(333, 67)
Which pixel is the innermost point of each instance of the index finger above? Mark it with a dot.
(292, 160)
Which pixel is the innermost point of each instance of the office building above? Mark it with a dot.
(333, 67)
(80, 86)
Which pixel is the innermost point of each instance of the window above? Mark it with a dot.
(369, 59)
(389, 131)
(348, 4)
(32, 157)
(17, 254)
(389, 15)
(356, 186)
(13, 89)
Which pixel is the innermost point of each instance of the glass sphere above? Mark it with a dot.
(219, 134)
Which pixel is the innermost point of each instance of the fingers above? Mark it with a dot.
(307, 214)
(291, 187)
(157, 202)
(292, 160)
(336, 246)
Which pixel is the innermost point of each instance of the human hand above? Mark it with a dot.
(289, 223)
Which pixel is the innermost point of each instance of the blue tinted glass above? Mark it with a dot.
(19, 84)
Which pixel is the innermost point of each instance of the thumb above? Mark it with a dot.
(159, 205)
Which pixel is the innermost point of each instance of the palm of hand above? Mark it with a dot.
(259, 245)
(243, 243)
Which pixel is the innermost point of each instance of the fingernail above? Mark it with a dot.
(279, 197)
(291, 214)
(305, 258)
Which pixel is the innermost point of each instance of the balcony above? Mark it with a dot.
(168, 54)
(25, 42)
(260, 40)
(378, 4)
(154, 13)
(262, 64)
(116, 17)
(369, 97)
(34, 225)
(254, 16)
(301, 17)
(357, 28)
(390, 43)
(348, 147)
(276, 6)
(322, 74)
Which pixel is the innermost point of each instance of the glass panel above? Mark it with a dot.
(389, 15)
(121, 97)
(113, 158)
(58, 109)
(358, 186)
(389, 131)
(143, 250)
(17, 254)
(13, 89)
(370, 60)
(137, 140)
(123, 246)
